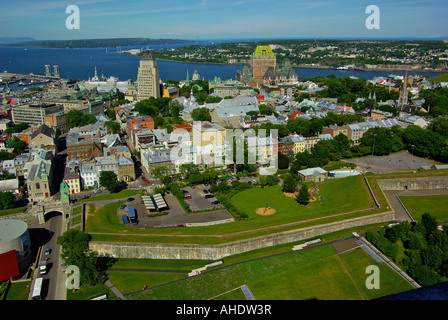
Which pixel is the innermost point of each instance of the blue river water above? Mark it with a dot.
(80, 64)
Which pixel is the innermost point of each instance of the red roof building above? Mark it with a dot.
(182, 127)
(9, 267)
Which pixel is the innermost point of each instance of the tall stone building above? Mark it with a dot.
(148, 83)
(262, 59)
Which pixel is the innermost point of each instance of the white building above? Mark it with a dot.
(89, 176)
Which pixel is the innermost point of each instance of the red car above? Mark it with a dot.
(145, 180)
(187, 198)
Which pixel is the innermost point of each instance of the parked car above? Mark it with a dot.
(145, 180)
(205, 191)
(215, 202)
(97, 191)
(208, 196)
(122, 206)
(129, 199)
(47, 251)
(187, 198)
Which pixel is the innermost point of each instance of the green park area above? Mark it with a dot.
(341, 199)
(338, 196)
(318, 273)
(436, 205)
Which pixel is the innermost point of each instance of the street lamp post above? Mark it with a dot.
(413, 149)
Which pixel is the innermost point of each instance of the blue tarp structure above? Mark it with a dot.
(125, 219)
(131, 212)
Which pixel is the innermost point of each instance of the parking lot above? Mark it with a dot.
(140, 212)
(390, 163)
(201, 198)
(175, 216)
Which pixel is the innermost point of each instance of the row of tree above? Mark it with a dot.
(431, 142)
(426, 248)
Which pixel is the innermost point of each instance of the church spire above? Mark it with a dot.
(187, 81)
(403, 99)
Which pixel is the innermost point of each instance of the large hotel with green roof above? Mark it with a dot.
(260, 61)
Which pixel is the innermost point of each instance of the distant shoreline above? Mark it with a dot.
(299, 66)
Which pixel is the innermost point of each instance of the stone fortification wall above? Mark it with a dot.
(29, 218)
(426, 183)
(216, 252)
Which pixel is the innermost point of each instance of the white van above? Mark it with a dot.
(43, 267)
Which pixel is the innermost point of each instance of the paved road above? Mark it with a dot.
(53, 287)
(400, 212)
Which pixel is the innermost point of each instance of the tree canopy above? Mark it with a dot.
(75, 118)
(201, 114)
(108, 179)
(75, 251)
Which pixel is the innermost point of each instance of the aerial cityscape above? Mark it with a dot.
(191, 153)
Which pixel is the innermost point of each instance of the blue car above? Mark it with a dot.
(125, 219)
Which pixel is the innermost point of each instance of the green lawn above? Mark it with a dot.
(132, 281)
(13, 210)
(317, 273)
(105, 219)
(338, 196)
(390, 282)
(19, 291)
(236, 294)
(435, 205)
(89, 292)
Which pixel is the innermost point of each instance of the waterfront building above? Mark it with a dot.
(261, 60)
(195, 76)
(148, 82)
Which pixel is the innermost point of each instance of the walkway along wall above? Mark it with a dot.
(216, 252)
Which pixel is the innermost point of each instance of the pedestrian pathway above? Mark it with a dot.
(149, 270)
(114, 290)
(249, 295)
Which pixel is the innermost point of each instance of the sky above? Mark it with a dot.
(222, 19)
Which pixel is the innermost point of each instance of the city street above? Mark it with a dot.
(54, 279)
